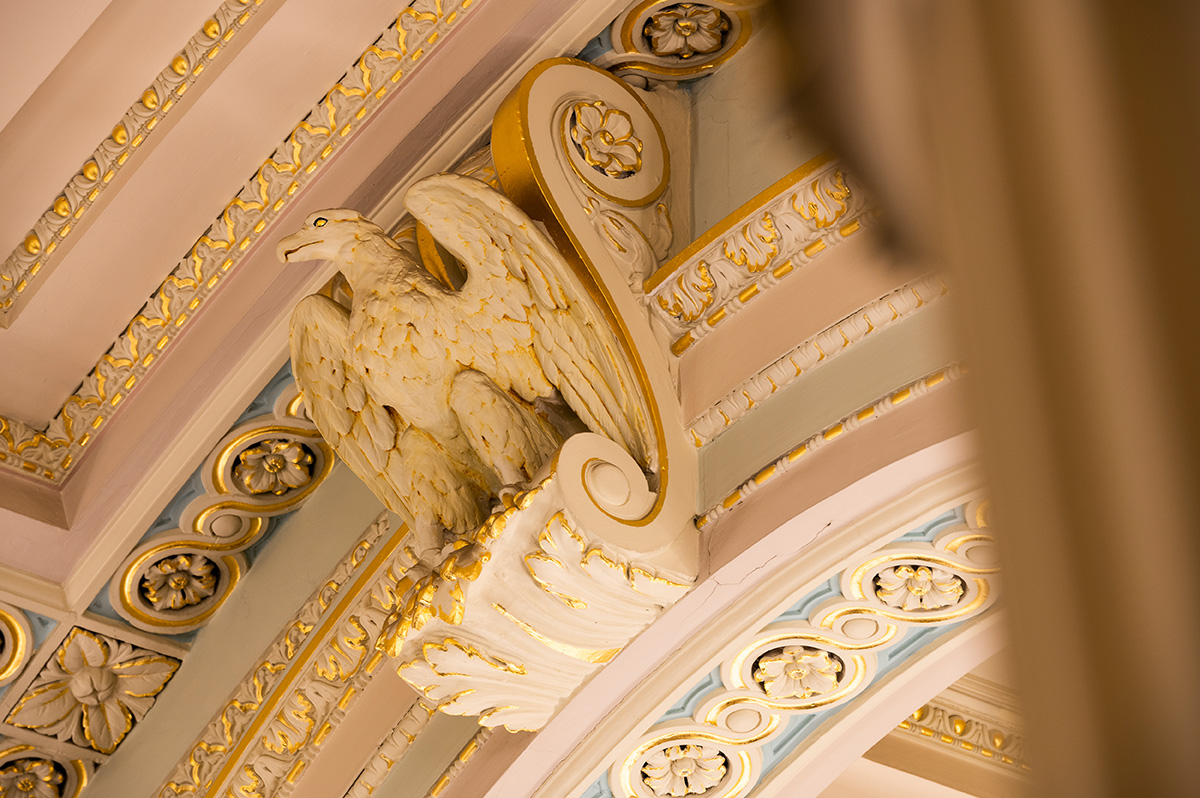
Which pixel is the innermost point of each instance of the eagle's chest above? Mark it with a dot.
(409, 347)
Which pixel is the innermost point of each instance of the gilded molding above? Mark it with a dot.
(459, 762)
(665, 40)
(968, 733)
(848, 424)
(780, 231)
(792, 667)
(173, 582)
(34, 255)
(816, 351)
(391, 749)
(345, 108)
(304, 683)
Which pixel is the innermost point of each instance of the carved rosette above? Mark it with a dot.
(515, 619)
(604, 137)
(918, 588)
(797, 672)
(796, 667)
(174, 581)
(28, 771)
(664, 40)
(92, 691)
(684, 769)
(30, 778)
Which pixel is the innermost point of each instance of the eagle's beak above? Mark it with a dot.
(289, 246)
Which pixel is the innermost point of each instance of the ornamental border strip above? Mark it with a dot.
(49, 454)
(32, 257)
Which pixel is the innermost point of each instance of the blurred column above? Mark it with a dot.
(1047, 153)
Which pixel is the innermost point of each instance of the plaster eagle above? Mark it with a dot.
(436, 397)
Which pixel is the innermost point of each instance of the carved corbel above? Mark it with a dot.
(517, 617)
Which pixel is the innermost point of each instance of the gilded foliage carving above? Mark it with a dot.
(815, 208)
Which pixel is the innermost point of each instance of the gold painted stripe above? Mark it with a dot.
(301, 664)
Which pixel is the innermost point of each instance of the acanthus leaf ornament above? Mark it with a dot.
(93, 690)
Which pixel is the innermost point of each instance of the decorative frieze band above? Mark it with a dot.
(302, 686)
(50, 453)
(819, 654)
(33, 256)
(848, 424)
(804, 215)
(946, 724)
(818, 350)
(173, 582)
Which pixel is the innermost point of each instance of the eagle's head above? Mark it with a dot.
(336, 234)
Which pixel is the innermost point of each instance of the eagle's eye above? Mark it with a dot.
(320, 221)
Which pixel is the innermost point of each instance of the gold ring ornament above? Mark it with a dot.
(16, 642)
(173, 582)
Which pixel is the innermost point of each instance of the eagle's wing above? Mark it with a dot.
(362, 431)
(572, 340)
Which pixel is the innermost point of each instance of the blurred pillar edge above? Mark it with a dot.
(1046, 154)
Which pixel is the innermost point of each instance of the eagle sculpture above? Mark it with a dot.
(441, 400)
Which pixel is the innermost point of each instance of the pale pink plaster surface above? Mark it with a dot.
(804, 303)
(251, 307)
(172, 191)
